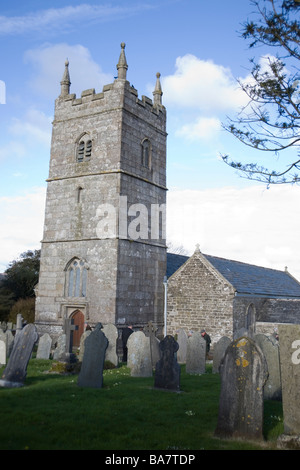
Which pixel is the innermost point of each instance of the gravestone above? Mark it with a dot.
(2, 352)
(219, 352)
(195, 354)
(44, 347)
(167, 372)
(182, 340)
(270, 349)
(16, 369)
(139, 355)
(150, 331)
(91, 372)
(111, 334)
(82, 344)
(60, 350)
(243, 373)
(289, 344)
(9, 342)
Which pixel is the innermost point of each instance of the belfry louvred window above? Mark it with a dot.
(84, 150)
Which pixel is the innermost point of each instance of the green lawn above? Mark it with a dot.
(52, 412)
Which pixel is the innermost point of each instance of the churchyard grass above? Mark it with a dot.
(51, 412)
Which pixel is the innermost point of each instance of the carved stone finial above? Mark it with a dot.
(122, 64)
(157, 94)
(65, 82)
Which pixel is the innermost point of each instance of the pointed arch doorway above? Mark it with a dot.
(78, 318)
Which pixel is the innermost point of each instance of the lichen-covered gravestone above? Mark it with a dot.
(243, 373)
(16, 370)
(91, 372)
(167, 373)
(270, 349)
(289, 344)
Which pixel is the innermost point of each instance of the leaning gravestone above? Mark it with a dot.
(195, 354)
(16, 369)
(270, 349)
(219, 352)
(289, 344)
(182, 340)
(167, 372)
(44, 347)
(139, 355)
(111, 334)
(243, 373)
(91, 372)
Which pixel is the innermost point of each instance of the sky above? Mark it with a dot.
(197, 48)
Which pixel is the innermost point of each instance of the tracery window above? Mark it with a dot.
(76, 278)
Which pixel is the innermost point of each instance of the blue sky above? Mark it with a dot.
(196, 46)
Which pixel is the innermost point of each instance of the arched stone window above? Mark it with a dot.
(76, 278)
(84, 148)
(146, 153)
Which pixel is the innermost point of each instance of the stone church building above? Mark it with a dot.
(103, 252)
(224, 296)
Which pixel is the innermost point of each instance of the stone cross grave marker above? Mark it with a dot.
(167, 372)
(16, 369)
(243, 373)
(196, 354)
(68, 330)
(44, 347)
(91, 372)
(139, 355)
(289, 344)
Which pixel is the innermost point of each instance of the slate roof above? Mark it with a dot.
(247, 279)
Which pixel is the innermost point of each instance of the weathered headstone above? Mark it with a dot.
(111, 334)
(60, 350)
(195, 354)
(219, 352)
(150, 331)
(289, 344)
(270, 349)
(182, 340)
(91, 372)
(9, 342)
(243, 373)
(44, 347)
(2, 352)
(16, 369)
(82, 344)
(167, 372)
(139, 355)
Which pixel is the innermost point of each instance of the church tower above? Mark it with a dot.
(103, 254)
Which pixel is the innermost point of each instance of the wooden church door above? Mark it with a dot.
(78, 318)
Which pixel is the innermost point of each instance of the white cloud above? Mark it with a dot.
(203, 128)
(202, 85)
(252, 225)
(54, 19)
(48, 62)
(21, 224)
(34, 125)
